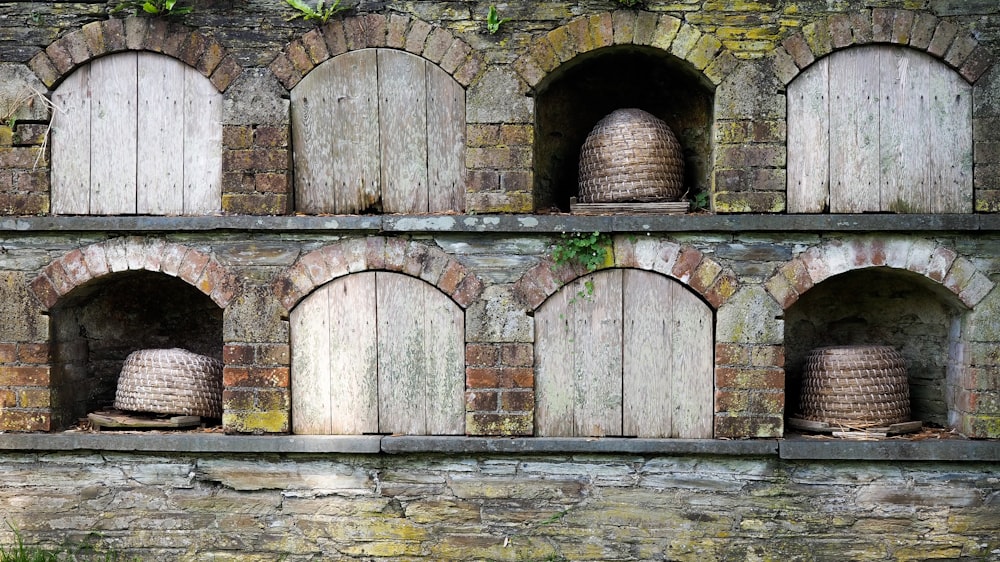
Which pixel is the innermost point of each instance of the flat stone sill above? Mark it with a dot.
(796, 448)
(540, 224)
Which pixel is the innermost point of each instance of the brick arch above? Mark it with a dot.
(428, 263)
(686, 264)
(547, 52)
(397, 31)
(80, 266)
(938, 263)
(96, 39)
(937, 37)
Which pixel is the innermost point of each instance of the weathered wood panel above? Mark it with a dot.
(854, 129)
(634, 358)
(378, 352)
(113, 142)
(949, 141)
(809, 140)
(160, 140)
(335, 135)
(202, 145)
(71, 145)
(310, 369)
(555, 388)
(692, 369)
(900, 134)
(137, 133)
(445, 142)
(444, 362)
(403, 129)
(378, 129)
(597, 354)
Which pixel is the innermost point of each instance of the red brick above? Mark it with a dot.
(192, 48)
(517, 377)
(468, 290)
(944, 34)
(375, 252)
(237, 136)
(749, 378)
(8, 352)
(277, 354)
(299, 58)
(481, 355)
(272, 400)
(745, 402)
(224, 74)
(336, 40)
(270, 137)
(44, 291)
(437, 44)
(315, 46)
(354, 32)
(517, 401)
(499, 424)
(212, 55)
(375, 30)
(456, 54)
(799, 50)
(417, 36)
(730, 354)
(238, 354)
(259, 377)
(687, 263)
(882, 24)
(395, 35)
(32, 353)
(238, 399)
(416, 257)
(452, 275)
(481, 401)
(192, 267)
(481, 377)
(8, 399)
(740, 427)
(517, 355)
(44, 68)
(15, 420)
(23, 376)
(35, 398)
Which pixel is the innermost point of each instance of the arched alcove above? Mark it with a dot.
(97, 325)
(575, 96)
(882, 306)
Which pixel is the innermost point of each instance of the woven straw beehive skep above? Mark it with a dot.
(170, 381)
(631, 156)
(857, 386)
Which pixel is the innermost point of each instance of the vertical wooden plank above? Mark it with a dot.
(555, 331)
(202, 145)
(310, 372)
(403, 131)
(71, 145)
(949, 138)
(401, 336)
(648, 324)
(854, 153)
(113, 85)
(903, 134)
(692, 365)
(445, 142)
(597, 351)
(335, 135)
(444, 363)
(809, 140)
(160, 138)
(353, 355)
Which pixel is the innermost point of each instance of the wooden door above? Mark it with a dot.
(632, 357)
(378, 352)
(378, 129)
(879, 129)
(136, 133)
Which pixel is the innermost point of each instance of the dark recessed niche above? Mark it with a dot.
(879, 306)
(574, 97)
(97, 325)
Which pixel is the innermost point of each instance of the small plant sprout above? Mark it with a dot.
(494, 21)
(320, 14)
(163, 8)
(588, 250)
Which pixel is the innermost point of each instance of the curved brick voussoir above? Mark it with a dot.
(938, 264)
(84, 265)
(415, 259)
(434, 43)
(939, 38)
(684, 264)
(546, 52)
(96, 39)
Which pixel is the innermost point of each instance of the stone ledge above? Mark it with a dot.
(893, 450)
(610, 445)
(191, 443)
(513, 223)
(952, 450)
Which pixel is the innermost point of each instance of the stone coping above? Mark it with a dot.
(796, 448)
(511, 223)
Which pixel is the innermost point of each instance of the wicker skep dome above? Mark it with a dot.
(856, 386)
(170, 381)
(631, 156)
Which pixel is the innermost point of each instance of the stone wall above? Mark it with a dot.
(489, 506)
